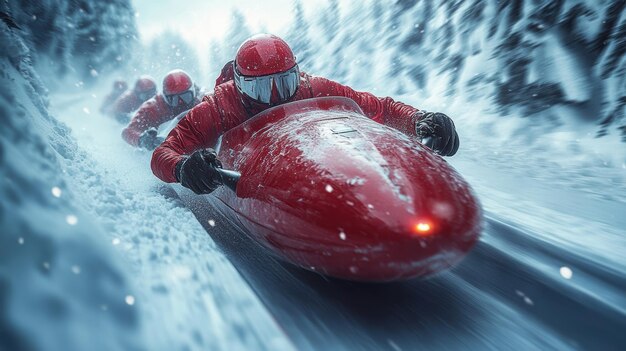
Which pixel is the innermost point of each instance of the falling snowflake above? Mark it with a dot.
(76, 269)
(116, 241)
(56, 191)
(528, 301)
(130, 300)
(329, 188)
(566, 272)
(20, 241)
(211, 223)
(86, 110)
(71, 220)
(342, 235)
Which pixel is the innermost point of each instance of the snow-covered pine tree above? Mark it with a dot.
(80, 36)
(298, 37)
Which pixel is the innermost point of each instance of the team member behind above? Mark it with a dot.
(144, 89)
(227, 74)
(119, 87)
(266, 74)
(179, 95)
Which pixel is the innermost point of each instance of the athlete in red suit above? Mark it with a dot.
(144, 89)
(119, 87)
(266, 74)
(179, 95)
(227, 74)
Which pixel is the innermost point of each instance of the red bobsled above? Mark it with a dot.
(327, 189)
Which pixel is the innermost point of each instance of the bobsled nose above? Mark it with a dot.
(413, 224)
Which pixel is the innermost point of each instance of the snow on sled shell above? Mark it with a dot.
(328, 189)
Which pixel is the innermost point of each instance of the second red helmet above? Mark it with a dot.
(145, 88)
(176, 82)
(178, 89)
(145, 84)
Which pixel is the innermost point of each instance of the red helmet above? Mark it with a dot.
(145, 84)
(120, 85)
(264, 54)
(178, 88)
(266, 70)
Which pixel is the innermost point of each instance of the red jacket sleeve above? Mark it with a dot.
(382, 110)
(126, 103)
(200, 128)
(108, 102)
(227, 74)
(146, 117)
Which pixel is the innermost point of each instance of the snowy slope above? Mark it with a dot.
(60, 288)
(190, 295)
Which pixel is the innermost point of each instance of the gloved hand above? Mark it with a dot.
(437, 131)
(149, 139)
(198, 171)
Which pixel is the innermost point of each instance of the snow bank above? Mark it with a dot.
(189, 295)
(59, 289)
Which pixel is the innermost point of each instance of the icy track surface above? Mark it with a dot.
(548, 273)
(188, 294)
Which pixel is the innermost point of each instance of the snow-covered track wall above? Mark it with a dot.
(58, 289)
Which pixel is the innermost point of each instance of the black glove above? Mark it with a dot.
(149, 139)
(438, 133)
(198, 171)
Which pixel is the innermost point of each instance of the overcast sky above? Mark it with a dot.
(200, 20)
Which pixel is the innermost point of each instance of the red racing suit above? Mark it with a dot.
(152, 113)
(109, 100)
(125, 104)
(227, 74)
(224, 109)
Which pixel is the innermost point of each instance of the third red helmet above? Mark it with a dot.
(176, 82)
(120, 85)
(145, 88)
(145, 84)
